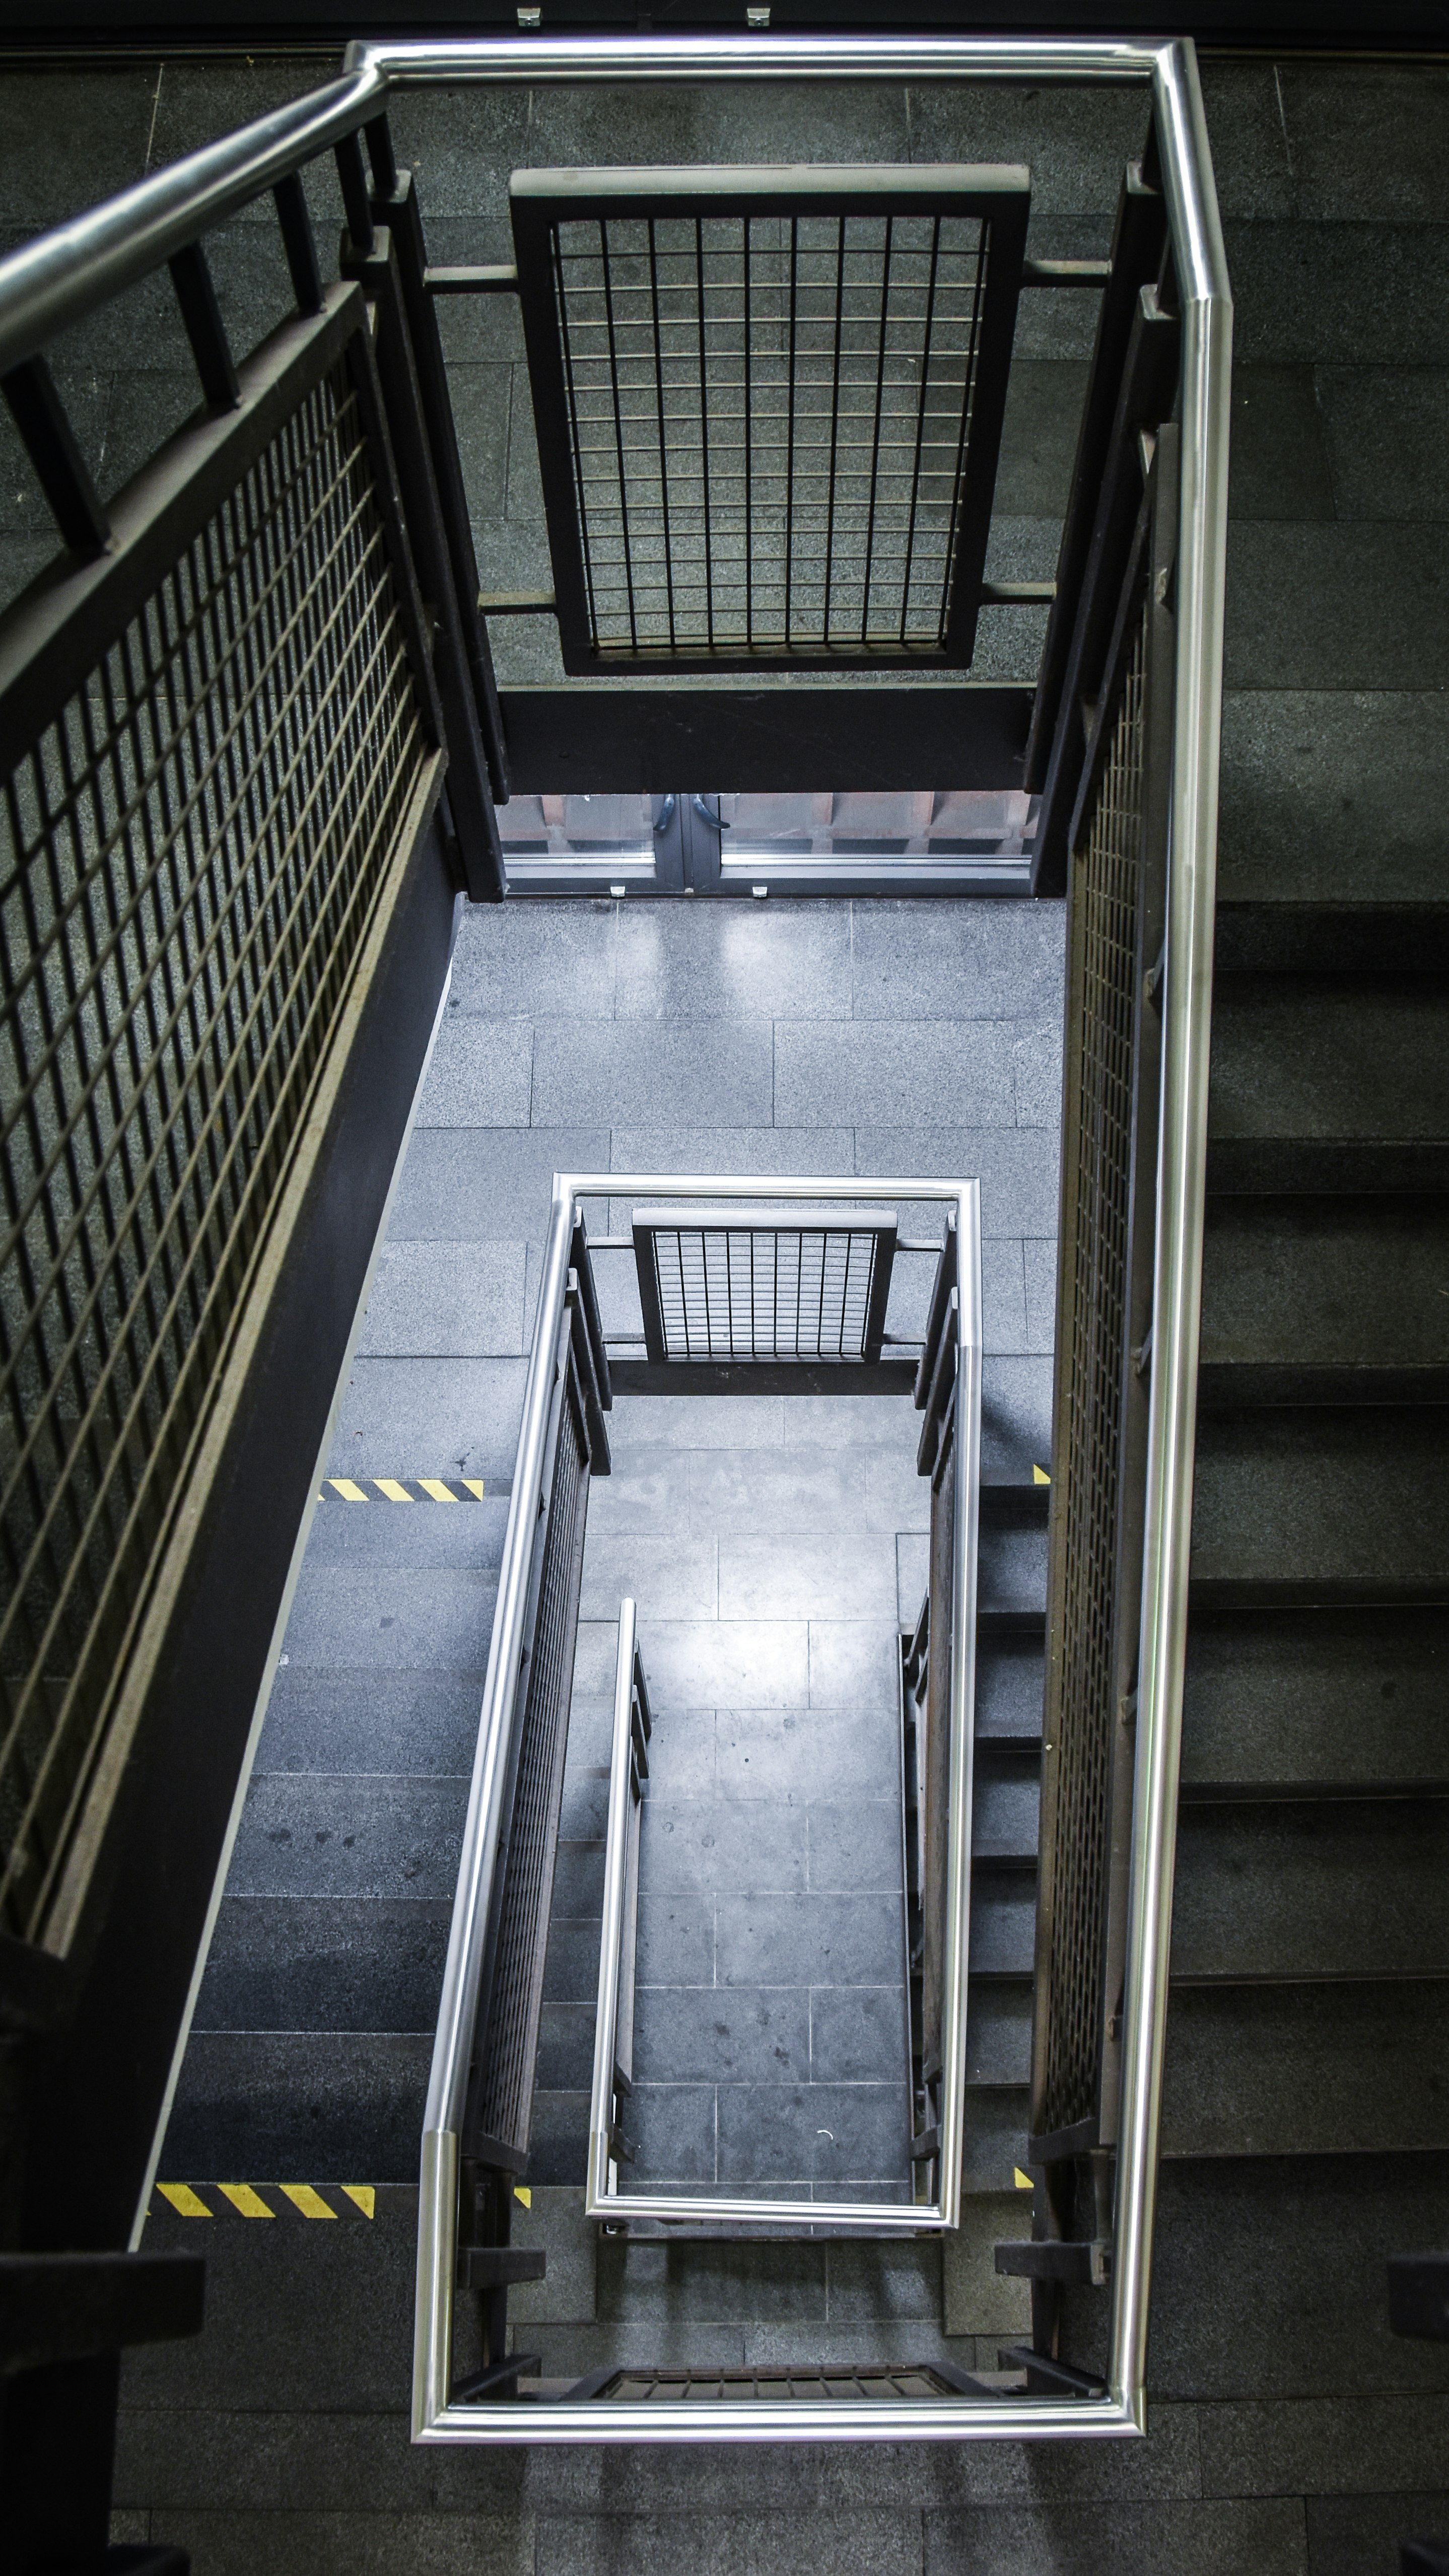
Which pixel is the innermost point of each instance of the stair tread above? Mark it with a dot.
(1307, 2070)
(1332, 1495)
(1315, 1697)
(1321, 1889)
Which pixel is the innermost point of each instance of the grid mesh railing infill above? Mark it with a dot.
(1108, 873)
(190, 855)
(771, 425)
(763, 1291)
(505, 2069)
(903, 2382)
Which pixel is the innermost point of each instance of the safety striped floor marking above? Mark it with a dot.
(404, 1489)
(248, 2202)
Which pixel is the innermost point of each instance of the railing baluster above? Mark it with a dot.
(299, 242)
(205, 329)
(50, 443)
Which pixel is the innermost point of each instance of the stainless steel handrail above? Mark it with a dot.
(56, 280)
(883, 2218)
(434, 2417)
(611, 1940)
(50, 283)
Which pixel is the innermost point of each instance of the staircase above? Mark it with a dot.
(1306, 2112)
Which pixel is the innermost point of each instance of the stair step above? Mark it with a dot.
(324, 1963)
(1277, 938)
(1230, 1388)
(1307, 2070)
(1309, 1071)
(1279, 1702)
(1330, 1056)
(995, 2137)
(1350, 1284)
(1323, 1496)
(1003, 1922)
(1286, 1165)
(998, 2033)
(1338, 1889)
(1009, 1676)
(1006, 1801)
(1268, 2281)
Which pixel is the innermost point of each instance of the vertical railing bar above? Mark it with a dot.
(663, 452)
(983, 250)
(299, 242)
(926, 352)
(608, 268)
(885, 291)
(580, 481)
(355, 198)
(834, 425)
(704, 437)
(748, 434)
(791, 360)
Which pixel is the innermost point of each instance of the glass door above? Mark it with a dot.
(832, 842)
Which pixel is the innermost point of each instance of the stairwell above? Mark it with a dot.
(1306, 2134)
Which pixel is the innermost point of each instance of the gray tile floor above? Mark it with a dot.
(770, 2046)
(770, 1548)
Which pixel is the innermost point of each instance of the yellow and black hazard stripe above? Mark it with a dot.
(406, 1489)
(277, 2199)
(215, 2199)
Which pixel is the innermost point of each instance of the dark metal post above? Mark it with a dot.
(205, 328)
(50, 443)
(395, 206)
(469, 792)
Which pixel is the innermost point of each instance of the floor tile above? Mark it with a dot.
(480, 1075)
(733, 961)
(664, 1577)
(849, 2131)
(820, 1940)
(795, 1755)
(858, 2035)
(699, 1846)
(432, 1300)
(786, 1490)
(854, 1663)
(479, 1184)
(542, 958)
(799, 1577)
(671, 2128)
(855, 1844)
(712, 1072)
(694, 2034)
(759, 1663)
(884, 1073)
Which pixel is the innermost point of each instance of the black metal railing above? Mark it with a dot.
(926, 1750)
(227, 863)
(769, 406)
(1116, 900)
(499, 2111)
(194, 843)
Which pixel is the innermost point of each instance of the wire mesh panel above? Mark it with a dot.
(192, 845)
(1092, 1364)
(905, 2382)
(768, 406)
(503, 2094)
(781, 1283)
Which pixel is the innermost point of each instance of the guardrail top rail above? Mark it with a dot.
(1169, 73)
(49, 284)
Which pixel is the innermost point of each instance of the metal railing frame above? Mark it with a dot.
(47, 285)
(1168, 72)
(962, 1199)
